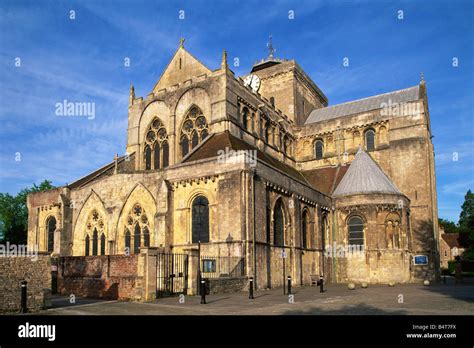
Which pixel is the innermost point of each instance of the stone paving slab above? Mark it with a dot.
(409, 299)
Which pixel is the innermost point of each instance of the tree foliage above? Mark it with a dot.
(466, 225)
(448, 226)
(14, 213)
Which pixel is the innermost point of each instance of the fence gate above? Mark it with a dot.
(171, 274)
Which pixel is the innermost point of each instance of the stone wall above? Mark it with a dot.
(109, 277)
(38, 275)
(228, 285)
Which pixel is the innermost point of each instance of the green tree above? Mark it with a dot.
(14, 213)
(466, 225)
(467, 210)
(449, 226)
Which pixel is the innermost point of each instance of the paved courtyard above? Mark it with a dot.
(377, 299)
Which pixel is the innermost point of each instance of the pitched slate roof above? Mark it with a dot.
(220, 141)
(364, 176)
(363, 105)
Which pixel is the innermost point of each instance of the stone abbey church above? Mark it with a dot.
(261, 168)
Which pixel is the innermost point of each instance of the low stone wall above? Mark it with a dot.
(109, 277)
(227, 285)
(37, 273)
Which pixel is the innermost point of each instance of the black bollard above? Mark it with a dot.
(444, 279)
(24, 306)
(251, 289)
(289, 285)
(321, 284)
(203, 291)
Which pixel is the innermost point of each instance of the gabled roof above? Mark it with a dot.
(326, 179)
(183, 66)
(452, 239)
(364, 176)
(123, 165)
(224, 140)
(364, 105)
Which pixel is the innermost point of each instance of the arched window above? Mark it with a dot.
(102, 244)
(156, 156)
(194, 140)
(95, 226)
(193, 131)
(137, 221)
(166, 154)
(156, 138)
(136, 239)
(245, 115)
(146, 237)
(51, 227)
(147, 157)
(184, 145)
(304, 229)
(128, 240)
(87, 246)
(356, 231)
(95, 242)
(278, 224)
(370, 140)
(200, 220)
(318, 149)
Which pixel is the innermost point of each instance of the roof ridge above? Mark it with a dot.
(365, 98)
(354, 107)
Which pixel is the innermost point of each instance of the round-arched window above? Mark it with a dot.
(356, 231)
(370, 140)
(200, 220)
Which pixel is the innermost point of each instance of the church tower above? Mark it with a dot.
(288, 87)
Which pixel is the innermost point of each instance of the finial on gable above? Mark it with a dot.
(224, 64)
(181, 42)
(422, 77)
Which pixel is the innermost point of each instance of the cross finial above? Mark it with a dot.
(270, 47)
(181, 42)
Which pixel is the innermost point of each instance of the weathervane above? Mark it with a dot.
(270, 47)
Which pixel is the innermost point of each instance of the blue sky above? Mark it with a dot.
(83, 60)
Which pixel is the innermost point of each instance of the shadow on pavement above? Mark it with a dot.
(359, 309)
(60, 301)
(463, 291)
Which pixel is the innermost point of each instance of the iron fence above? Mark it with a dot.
(171, 274)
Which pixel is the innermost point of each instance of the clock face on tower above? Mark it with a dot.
(253, 81)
